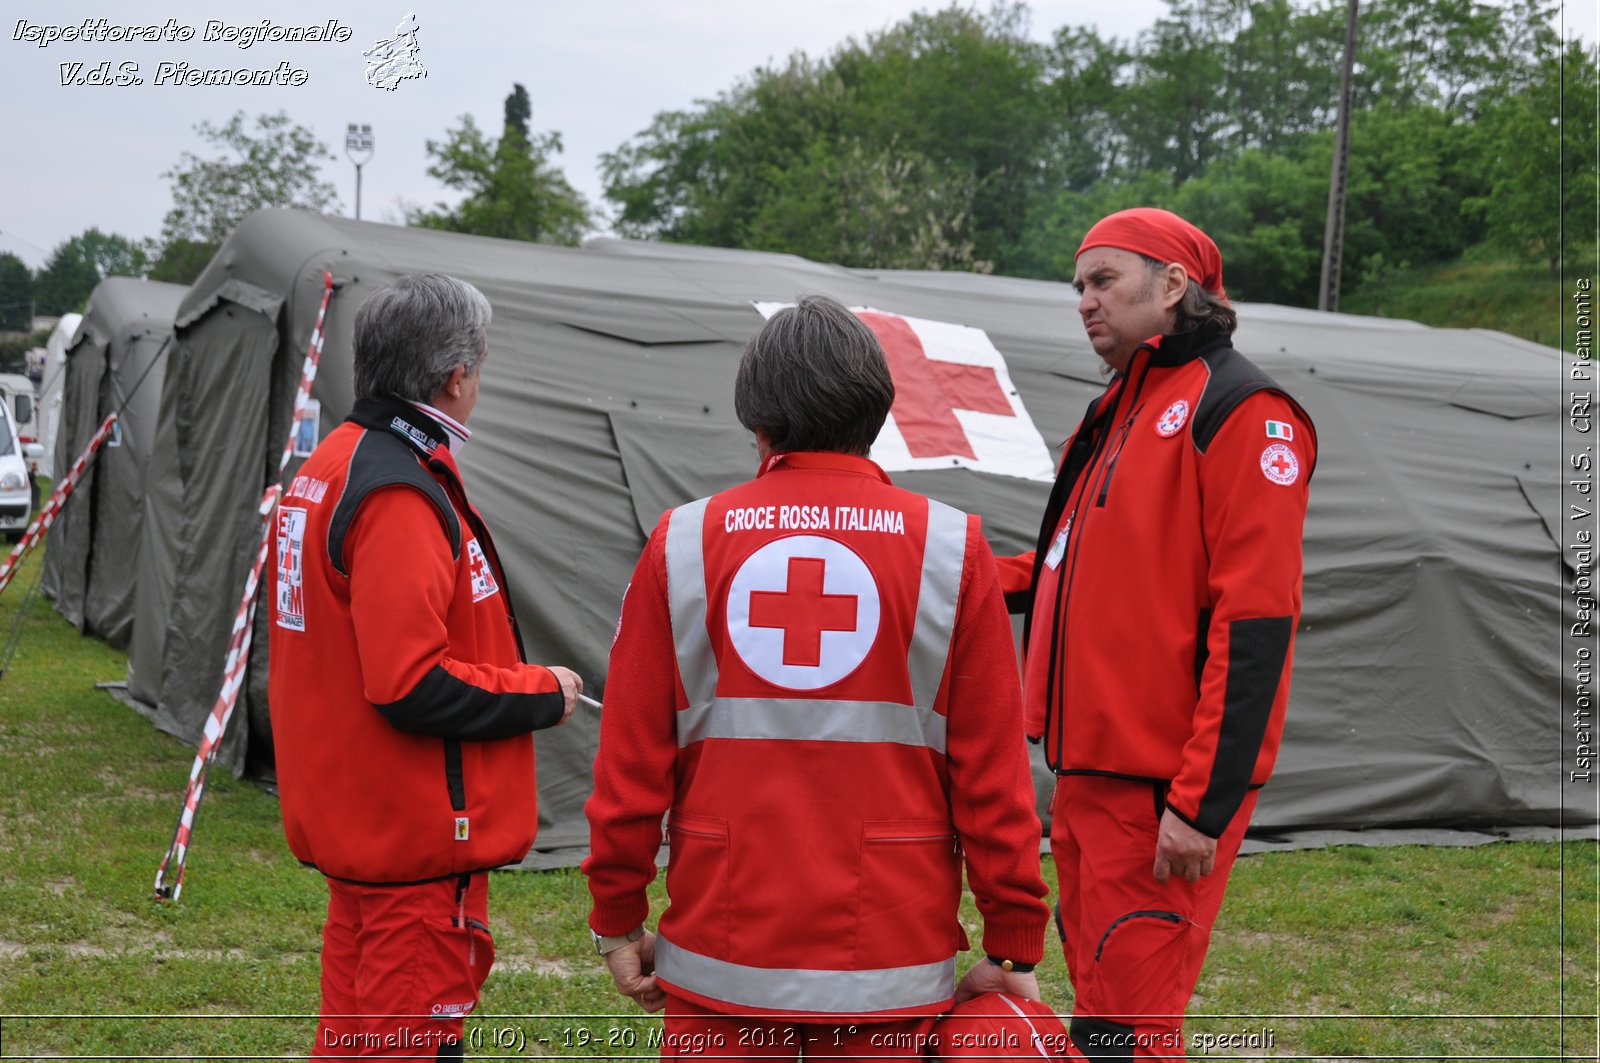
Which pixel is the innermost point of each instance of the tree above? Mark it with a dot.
(1539, 157)
(81, 262)
(275, 164)
(16, 294)
(182, 261)
(513, 191)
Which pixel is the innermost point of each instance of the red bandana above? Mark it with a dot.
(1163, 236)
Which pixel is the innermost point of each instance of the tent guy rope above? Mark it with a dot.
(174, 863)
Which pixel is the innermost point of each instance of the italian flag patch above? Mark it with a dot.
(1279, 430)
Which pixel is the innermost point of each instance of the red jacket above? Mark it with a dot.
(401, 708)
(843, 721)
(1166, 586)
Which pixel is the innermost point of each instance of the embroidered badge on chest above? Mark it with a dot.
(1279, 464)
(1173, 420)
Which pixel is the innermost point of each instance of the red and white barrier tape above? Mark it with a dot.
(238, 659)
(58, 497)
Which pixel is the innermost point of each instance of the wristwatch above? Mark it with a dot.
(1011, 966)
(604, 943)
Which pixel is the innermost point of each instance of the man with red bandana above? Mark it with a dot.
(1161, 606)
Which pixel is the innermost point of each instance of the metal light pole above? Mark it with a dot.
(358, 140)
(1333, 235)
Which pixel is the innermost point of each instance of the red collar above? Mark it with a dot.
(831, 460)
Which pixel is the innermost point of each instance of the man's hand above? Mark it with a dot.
(633, 969)
(986, 977)
(571, 686)
(1182, 849)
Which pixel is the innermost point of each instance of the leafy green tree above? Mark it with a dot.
(863, 205)
(1540, 147)
(512, 189)
(182, 261)
(952, 103)
(78, 264)
(16, 294)
(271, 163)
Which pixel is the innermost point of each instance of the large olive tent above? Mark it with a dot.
(114, 364)
(1427, 687)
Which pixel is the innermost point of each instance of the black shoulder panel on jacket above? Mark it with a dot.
(381, 459)
(1233, 379)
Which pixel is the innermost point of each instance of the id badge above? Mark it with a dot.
(1058, 548)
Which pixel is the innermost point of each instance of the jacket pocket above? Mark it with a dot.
(697, 882)
(909, 896)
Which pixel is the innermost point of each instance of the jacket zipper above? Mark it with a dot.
(1058, 668)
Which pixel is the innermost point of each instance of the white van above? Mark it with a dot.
(22, 403)
(16, 485)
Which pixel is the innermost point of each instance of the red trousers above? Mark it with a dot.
(1134, 946)
(692, 1032)
(401, 965)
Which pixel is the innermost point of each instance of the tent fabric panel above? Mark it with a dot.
(132, 386)
(219, 384)
(68, 548)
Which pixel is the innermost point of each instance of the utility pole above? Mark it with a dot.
(1333, 235)
(358, 140)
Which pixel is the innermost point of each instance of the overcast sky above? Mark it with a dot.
(81, 156)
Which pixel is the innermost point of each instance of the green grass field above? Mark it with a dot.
(1345, 953)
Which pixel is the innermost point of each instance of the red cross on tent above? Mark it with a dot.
(803, 611)
(928, 392)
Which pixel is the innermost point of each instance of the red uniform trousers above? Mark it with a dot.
(693, 1032)
(1134, 946)
(401, 965)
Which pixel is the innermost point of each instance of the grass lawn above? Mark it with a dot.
(1438, 953)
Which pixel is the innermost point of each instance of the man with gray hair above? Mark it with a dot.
(814, 673)
(402, 708)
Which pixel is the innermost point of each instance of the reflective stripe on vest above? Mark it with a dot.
(803, 990)
(686, 599)
(708, 716)
(815, 721)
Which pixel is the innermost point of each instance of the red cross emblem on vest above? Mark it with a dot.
(803, 611)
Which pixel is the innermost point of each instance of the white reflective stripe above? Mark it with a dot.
(943, 555)
(812, 721)
(803, 990)
(686, 600)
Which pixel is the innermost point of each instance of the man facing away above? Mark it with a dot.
(1162, 603)
(815, 680)
(402, 709)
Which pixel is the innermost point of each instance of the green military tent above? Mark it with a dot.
(1427, 688)
(114, 364)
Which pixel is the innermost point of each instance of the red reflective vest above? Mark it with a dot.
(401, 708)
(1166, 587)
(842, 722)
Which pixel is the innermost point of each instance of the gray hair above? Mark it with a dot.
(814, 378)
(411, 334)
(1198, 308)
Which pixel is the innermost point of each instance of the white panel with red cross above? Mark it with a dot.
(803, 612)
(954, 403)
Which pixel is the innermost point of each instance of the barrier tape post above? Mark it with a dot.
(58, 497)
(174, 863)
